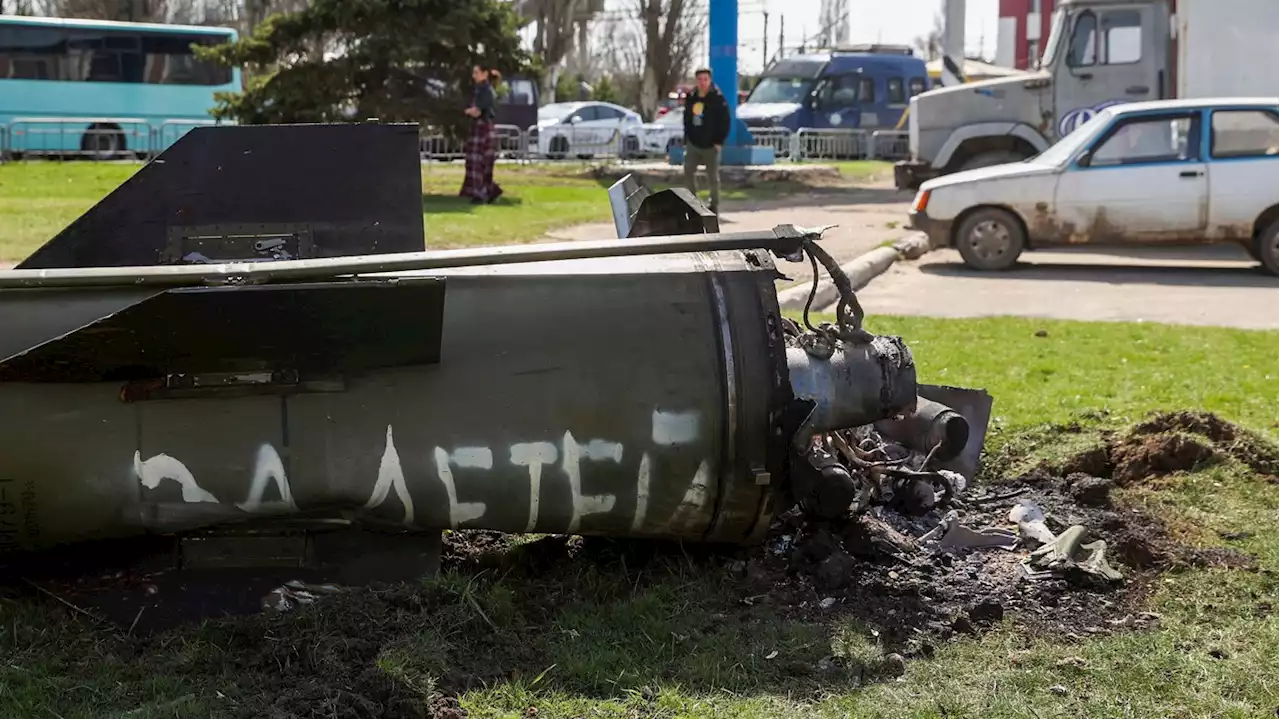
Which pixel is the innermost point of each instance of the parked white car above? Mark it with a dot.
(1163, 172)
(659, 136)
(585, 129)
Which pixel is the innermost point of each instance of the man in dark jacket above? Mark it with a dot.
(706, 125)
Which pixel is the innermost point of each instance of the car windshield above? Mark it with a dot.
(781, 89)
(556, 112)
(1066, 148)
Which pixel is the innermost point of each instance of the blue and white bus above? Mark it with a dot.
(103, 88)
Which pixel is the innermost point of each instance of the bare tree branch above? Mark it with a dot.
(670, 32)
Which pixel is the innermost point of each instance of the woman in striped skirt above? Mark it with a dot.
(481, 146)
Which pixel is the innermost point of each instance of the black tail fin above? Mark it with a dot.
(262, 192)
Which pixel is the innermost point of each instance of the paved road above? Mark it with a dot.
(1196, 285)
(864, 218)
(1218, 286)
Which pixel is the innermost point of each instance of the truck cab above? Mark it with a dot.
(862, 87)
(517, 102)
(1099, 53)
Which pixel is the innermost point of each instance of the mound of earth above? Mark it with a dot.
(1168, 442)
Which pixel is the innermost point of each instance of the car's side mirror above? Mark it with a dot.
(575, 119)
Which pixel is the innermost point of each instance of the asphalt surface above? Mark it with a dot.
(864, 218)
(1211, 285)
(1217, 286)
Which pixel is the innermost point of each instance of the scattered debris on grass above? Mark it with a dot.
(401, 651)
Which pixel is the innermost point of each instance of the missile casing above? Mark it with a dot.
(304, 364)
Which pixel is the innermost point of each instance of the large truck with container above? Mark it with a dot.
(1099, 53)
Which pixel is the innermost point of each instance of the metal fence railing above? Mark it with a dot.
(889, 145)
(171, 131)
(93, 137)
(812, 144)
(108, 137)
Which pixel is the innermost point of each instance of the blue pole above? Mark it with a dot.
(739, 148)
(723, 27)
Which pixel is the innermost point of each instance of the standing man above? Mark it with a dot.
(706, 125)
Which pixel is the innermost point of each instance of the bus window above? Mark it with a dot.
(896, 94)
(170, 61)
(916, 86)
(867, 91)
(31, 53)
(40, 53)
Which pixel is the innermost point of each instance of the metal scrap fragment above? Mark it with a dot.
(950, 535)
(293, 594)
(1069, 551)
(1030, 520)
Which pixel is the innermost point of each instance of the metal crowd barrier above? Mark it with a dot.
(436, 146)
(95, 137)
(585, 143)
(101, 137)
(171, 131)
(109, 137)
(831, 144)
(779, 138)
(889, 145)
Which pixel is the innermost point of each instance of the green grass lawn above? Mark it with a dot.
(38, 199)
(673, 639)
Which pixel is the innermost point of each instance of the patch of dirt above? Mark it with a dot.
(1144, 456)
(347, 656)
(1169, 442)
(474, 547)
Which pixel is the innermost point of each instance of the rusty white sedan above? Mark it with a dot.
(1162, 172)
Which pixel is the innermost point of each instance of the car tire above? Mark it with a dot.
(990, 239)
(987, 159)
(1266, 247)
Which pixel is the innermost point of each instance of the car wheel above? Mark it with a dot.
(1267, 246)
(990, 239)
(630, 146)
(987, 159)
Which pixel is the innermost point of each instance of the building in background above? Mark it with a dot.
(1023, 28)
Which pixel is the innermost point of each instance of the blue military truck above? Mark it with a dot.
(862, 87)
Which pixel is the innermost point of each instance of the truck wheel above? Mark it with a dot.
(1267, 246)
(987, 159)
(990, 239)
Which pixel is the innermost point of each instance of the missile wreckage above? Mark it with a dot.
(247, 350)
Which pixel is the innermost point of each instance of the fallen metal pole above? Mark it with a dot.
(784, 239)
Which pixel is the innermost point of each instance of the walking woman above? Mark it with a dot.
(481, 146)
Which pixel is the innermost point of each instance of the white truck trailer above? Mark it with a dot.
(1099, 53)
